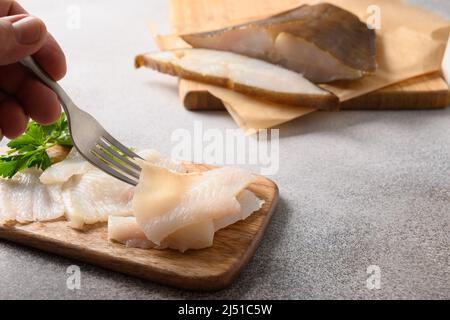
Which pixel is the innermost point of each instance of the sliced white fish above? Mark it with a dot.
(48, 204)
(22, 194)
(249, 202)
(25, 199)
(75, 164)
(61, 172)
(127, 231)
(160, 160)
(89, 196)
(73, 188)
(192, 237)
(166, 201)
(7, 211)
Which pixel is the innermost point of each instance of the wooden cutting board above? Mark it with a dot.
(209, 269)
(425, 92)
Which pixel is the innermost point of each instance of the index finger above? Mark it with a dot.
(50, 57)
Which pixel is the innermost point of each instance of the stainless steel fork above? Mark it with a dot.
(93, 142)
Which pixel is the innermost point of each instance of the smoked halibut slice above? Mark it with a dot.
(323, 42)
(242, 74)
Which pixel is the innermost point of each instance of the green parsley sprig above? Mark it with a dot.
(30, 149)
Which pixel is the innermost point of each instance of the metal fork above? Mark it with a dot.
(91, 140)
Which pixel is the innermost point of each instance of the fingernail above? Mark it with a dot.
(28, 30)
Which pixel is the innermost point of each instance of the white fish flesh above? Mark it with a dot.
(61, 172)
(25, 199)
(166, 202)
(72, 188)
(127, 231)
(170, 208)
(156, 158)
(242, 74)
(90, 195)
(90, 198)
(323, 42)
(249, 203)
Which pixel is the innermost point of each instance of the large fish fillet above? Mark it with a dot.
(242, 74)
(323, 42)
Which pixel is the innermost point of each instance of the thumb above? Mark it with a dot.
(20, 36)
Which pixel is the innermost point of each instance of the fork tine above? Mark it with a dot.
(87, 140)
(103, 156)
(120, 146)
(117, 155)
(95, 160)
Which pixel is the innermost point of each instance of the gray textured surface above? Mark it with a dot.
(358, 188)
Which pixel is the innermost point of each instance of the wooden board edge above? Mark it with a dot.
(203, 100)
(231, 277)
(384, 101)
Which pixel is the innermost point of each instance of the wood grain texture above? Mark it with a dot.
(425, 92)
(209, 269)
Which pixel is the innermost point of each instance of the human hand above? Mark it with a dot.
(21, 94)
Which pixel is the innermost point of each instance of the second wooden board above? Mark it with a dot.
(425, 92)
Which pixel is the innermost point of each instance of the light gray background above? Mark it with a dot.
(357, 188)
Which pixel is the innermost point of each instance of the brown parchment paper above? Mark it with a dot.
(247, 111)
(411, 42)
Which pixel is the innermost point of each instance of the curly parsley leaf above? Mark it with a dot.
(30, 149)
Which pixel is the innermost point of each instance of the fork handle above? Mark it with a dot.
(64, 98)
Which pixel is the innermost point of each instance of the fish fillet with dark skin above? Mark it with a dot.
(322, 42)
(242, 74)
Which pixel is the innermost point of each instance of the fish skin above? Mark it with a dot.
(242, 74)
(327, 31)
(350, 32)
